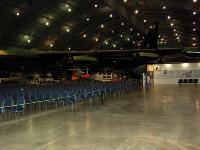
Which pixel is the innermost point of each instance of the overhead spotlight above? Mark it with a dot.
(51, 45)
(114, 45)
(193, 29)
(121, 35)
(17, 14)
(69, 48)
(131, 29)
(47, 23)
(168, 17)
(113, 31)
(88, 19)
(172, 24)
(68, 30)
(96, 39)
(164, 7)
(176, 34)
(194, 44)
(29, 41)
(125, 1)
(122, 24)
(136, 11)
(194, 12)
(174, 30)
(150, 27)
(194, 1)
(178, 38)
(145, 20)
(69, 10)
(138, 34)
(95, 5)
(102, 26)
(128, 39)
(194, 38)
(84, 35)
(194, 22)
(111, 15)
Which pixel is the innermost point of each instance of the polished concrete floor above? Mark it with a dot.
(161, 118)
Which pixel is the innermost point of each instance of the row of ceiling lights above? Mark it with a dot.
(68, 29)
(164, 7)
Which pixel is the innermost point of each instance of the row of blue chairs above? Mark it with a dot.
(24, 98)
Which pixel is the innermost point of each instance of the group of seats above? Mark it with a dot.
(16, 100)
(188, 81)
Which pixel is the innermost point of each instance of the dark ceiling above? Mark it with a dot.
(97, 24)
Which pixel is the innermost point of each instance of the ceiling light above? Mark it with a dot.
(47, 23)
(122, 24)
(136, 11)
(172, 24)
(145, 20)
(111, 15)
(125, 1)
(193, 29)
(194, 12)
(88, 19)
(95, 5)
(194, 22)
(131, 29)
(84, 35)
(194, 1)
(29, 41)
(168, 17)
(69, 48)
(164, 7)
(102, 26)
(194, 38)
(69, 9)
(51, 45)
(194, 44)
(96, 39)
(17, 14)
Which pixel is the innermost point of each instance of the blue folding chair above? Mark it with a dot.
(2, 109)
(20, 106)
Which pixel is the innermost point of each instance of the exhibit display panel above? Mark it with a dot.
(171, 73)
